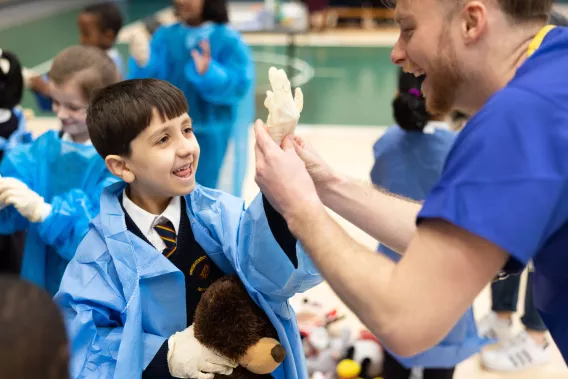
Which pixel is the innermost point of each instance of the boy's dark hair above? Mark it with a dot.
(409, 106)
(33, 340)
(11, 81)
(120, 112)
(215, 11)
(108, 14)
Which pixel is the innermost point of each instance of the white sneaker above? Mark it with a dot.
(495, 328)
(519, 353)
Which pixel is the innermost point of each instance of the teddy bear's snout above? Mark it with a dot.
(278, 353)
(264, 357)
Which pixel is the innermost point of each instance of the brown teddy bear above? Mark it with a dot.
(228, 321)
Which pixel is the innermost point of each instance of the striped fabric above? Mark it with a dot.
(168, 235)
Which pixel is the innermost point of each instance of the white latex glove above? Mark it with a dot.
(140, 48)
(187, 358)
(283, 109)
(27, 202)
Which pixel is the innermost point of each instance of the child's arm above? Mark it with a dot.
(247, 237)
(68, 221)
(11, 220)
(157, 64)
(269, 268)
(280, 231)
(227, 78)
(69, 214)
(95, 313)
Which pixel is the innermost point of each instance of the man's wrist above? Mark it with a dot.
(307, 214)
(329, 187)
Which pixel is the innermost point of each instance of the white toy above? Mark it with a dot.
(283, 108)
(322, 348)
(364, 359)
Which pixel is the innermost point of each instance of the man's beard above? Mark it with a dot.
(444, 78)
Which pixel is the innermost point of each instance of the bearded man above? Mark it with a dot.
(501, 202)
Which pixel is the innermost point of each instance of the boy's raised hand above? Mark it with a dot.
(283, 108)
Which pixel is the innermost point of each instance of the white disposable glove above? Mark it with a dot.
(187, 358)
(283, 109)
(140, 48)
(27, 202)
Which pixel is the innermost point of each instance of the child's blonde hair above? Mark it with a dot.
(89, 66)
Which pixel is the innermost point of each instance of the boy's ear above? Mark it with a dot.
(118, 166)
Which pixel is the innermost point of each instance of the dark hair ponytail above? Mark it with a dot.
(409, 106)
(11, 82)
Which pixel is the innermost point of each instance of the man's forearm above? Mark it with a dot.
(358, 275)
(388, 218)
(411, 305)
(382, 296)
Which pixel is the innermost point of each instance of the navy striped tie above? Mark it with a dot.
(168, 234)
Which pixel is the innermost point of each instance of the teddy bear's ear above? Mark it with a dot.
(228, 321)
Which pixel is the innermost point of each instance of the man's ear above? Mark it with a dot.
(474, 21)
(118, 166)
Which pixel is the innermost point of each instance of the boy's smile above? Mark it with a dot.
(184, 172)
(162, 163)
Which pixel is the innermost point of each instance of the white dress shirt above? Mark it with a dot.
(146, 221)
(67, 138)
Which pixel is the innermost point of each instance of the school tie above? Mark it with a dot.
(167, 233)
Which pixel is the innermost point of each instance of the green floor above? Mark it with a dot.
(351, 86)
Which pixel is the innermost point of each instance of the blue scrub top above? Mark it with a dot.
(506, 178)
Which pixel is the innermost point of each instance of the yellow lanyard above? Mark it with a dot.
(537, 40)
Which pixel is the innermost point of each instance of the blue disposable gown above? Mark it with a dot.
(68, 176)
(221, 101)
(20, 135)
(122, 299)
(410, 164)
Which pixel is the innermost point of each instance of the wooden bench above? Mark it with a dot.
(366, 14)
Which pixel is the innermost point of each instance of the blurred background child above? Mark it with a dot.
(212, 65)
(52, 186)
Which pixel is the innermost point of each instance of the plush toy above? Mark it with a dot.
(229, 322)
(363, 360)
